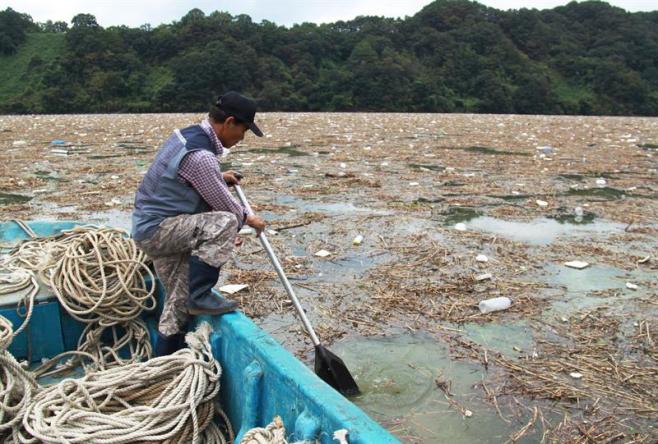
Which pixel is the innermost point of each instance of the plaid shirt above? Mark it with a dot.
(201, 170)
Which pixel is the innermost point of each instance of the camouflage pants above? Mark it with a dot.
(210, 236)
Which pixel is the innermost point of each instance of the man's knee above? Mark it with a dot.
(221, 225)
(231, 221)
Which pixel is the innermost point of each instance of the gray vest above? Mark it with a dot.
(161, 194)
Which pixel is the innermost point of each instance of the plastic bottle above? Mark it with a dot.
(495, 304)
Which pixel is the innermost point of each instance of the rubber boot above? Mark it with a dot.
(201, 299)
(166, 345)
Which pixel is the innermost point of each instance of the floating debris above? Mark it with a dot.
(631, 286)
(579, 265)
(232, 288)
(483, 277)
(341, 436)
(481, 258)
(576, 375)
(358, 240)
(460, 226)
(323, 253)
(247, 230)
(644, 260)
(542, 203)
(494, 304)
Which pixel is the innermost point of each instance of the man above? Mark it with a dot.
(186, 219)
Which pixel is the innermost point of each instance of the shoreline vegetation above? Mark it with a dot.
(453, 56)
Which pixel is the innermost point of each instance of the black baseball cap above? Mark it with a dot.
(241, 107)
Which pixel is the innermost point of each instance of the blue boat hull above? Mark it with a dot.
(260, 379)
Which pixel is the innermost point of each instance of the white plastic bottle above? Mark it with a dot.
(495, 304)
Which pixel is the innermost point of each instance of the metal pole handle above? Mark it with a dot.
(279, 271)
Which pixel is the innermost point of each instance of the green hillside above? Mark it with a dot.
(22, 70)
(452, 56)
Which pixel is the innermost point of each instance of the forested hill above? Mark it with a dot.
(452, 56)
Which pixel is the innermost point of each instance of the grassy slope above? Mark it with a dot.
(14, 76)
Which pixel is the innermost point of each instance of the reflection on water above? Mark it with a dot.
(541, 231)
(397, 376)
(7, 198)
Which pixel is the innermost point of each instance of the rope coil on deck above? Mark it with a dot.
(17, 386)
(273, 433)
(99, 277)
(167, 399)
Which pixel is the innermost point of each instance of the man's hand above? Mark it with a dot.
(256, 222)
(231, 178)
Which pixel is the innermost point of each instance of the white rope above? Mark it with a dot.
(273, 433)
(166, 399)
(16, 279)
(17, 386)
(98, 275)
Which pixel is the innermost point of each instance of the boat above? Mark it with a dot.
(260, 379)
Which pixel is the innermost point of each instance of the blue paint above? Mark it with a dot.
(260, 379)
(43, 336)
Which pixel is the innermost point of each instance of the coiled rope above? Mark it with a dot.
(167, 399)
(17, 386)
(273, 433)
(17, 279)
(99, 277)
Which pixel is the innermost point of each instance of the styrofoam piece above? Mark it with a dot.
(631, 286)
(460, 227)
(232, 288)
(358, 240)
(323, 253)
(579, 265)
(483, 277)
(481, 258)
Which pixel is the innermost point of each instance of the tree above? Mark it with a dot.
(13, 29)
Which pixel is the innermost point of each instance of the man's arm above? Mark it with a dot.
(201, 170)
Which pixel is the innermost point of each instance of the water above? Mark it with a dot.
(8, 198)
(324, 207)
(112, 218)
(542, 231)
(397, 377)
(580, 286)
(606, 193)
(491, 151)
(426, 166)
(455, 215)
(49, 175)
(505, 338)
(291, 151)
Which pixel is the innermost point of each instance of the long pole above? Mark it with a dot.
(280, 272)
